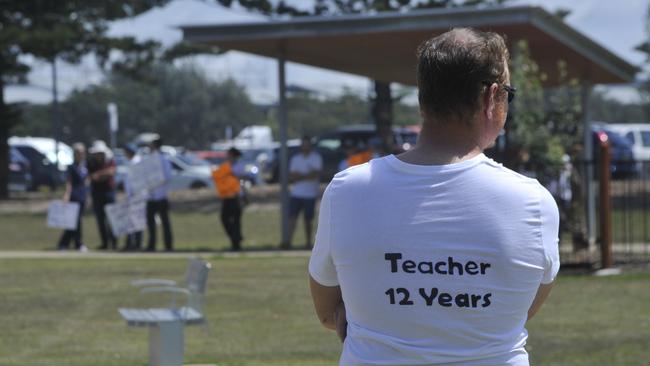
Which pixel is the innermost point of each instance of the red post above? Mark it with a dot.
(605, 203)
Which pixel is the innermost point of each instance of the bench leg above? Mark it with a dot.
(166, 344)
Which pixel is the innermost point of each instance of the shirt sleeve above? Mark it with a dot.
(167, 167)
(550, 217)
(321, 264)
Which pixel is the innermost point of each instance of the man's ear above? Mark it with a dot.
(489, 101)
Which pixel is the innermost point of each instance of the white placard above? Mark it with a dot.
(62, 215)
(146, 175)
(127, 217)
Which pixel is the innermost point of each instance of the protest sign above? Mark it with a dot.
(146, 175)
(126, 217)
(62, 215)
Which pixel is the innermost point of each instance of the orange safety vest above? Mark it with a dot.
(226, 182)
(360, 158)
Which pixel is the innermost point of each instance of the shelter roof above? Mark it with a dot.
(383, 46)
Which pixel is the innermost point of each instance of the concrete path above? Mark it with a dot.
(141, 255)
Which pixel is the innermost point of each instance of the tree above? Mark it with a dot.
(181, 104)
(60, 30)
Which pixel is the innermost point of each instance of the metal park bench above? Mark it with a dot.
(166, 338)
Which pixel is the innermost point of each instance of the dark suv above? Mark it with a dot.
(622, 164)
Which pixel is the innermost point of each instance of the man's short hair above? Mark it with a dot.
(79, 146)
(453, 69)
(157, 143)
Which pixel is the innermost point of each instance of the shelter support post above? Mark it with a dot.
(588, 178)
(605, 206)
(284, 152)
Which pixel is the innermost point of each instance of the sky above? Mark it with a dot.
(617, 25)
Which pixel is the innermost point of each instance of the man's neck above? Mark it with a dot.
(442, 144)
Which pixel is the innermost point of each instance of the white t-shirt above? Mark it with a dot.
(305, 164)
(437, 264)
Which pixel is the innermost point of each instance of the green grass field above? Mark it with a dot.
(191, 230)
(63, 312)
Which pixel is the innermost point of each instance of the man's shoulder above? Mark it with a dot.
(510, 183)
(358, 175)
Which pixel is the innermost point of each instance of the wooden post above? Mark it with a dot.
(605, 203)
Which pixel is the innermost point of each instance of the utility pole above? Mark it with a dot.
(113, 124)
(56, 116)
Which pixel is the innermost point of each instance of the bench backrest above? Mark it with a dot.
(196, 279)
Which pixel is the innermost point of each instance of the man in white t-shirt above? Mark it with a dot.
(438, 256)
(304, 172)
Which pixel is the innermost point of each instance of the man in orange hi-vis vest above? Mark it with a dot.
(373, 151)
(226, 179)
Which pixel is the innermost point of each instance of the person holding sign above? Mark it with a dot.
(157, 203)
(439, 255)
(133, 240)
(75, 191)
(101, 170)
(226, 179)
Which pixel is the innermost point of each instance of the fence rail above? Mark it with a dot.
(630, 223)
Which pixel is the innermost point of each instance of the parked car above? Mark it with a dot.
(214, 157)
(622, 163)
(189, 172)
(638, 134)
(48, 147)
(44, 173)
(20, 176)
(257, 163)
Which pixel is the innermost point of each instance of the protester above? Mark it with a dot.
(373, 151)
(101, 169)
(350, 150)
(133, 240)
(439, 255)
(226, 179)
(76, 191)
(304, 172)
(157, 203)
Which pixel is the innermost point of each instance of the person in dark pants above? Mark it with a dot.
(101, 169)
(158, 204)
(226, 179)
(75, 191)
(305, 169)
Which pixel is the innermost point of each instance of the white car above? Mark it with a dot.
(47, 147)
(189, 173)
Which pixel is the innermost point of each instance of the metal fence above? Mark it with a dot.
(630, 216)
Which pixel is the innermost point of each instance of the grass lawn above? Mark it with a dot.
(63, 312)
(191, 230)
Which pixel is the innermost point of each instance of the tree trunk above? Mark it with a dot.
(382, 113)
(5, 127)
